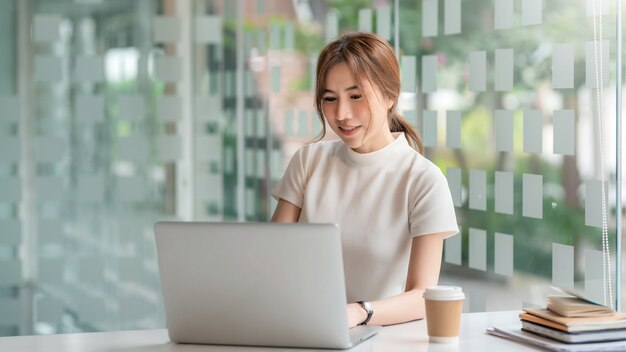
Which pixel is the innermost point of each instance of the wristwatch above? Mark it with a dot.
(368, 308)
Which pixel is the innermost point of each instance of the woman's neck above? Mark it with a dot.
(375, 143)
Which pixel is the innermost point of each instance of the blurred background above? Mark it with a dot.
(115, 114)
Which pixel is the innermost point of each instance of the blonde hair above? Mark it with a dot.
(371, 57)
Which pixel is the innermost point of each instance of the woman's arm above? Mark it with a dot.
(424, 266)
(286, 212)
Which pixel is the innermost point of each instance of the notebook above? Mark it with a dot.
(575, 337)
(571, 303)
(515, 334)
(546, 317)
(255, 284)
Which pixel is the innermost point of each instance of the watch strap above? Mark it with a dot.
(368, 308)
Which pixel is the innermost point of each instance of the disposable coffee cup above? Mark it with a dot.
(443, 313)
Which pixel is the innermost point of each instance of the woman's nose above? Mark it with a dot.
(344, 111)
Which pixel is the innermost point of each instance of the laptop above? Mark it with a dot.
(255, 284)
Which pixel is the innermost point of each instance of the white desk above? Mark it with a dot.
(404, 337)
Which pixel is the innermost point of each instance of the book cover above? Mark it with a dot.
(571, 303)
(614, 321)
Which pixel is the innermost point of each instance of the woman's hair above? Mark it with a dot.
(371, 58)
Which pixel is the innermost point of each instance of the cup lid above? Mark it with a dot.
(444, 293)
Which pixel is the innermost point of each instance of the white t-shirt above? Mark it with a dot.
(380, 200)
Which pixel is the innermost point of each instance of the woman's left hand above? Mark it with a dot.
(356, 314)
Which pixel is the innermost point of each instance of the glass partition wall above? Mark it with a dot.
(509, 107)
(115, 114)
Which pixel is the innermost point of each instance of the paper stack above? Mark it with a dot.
(573, 318)
(570, 322)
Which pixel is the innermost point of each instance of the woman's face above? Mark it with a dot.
(361, 125)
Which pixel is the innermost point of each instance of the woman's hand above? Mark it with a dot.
(356, 314)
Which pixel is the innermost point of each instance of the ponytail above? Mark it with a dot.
(398, 124)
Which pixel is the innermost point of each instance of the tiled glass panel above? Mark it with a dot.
(563, 65)
(383, 21)
(532, 12)
(477, 71)
(430, 18)
(429, 129)
(429, 73)
(453, 176)
(365, 20)
(530, 162)
(504, 192)
(503, 254)
(452, 16)
(503, 14)
(453, 250)
(166, 29)
(478, 249)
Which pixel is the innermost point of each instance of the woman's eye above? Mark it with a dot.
(356, 97)
(329, 99)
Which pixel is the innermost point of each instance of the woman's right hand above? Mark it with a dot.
(356, 314)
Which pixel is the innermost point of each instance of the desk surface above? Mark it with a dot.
(403, 337)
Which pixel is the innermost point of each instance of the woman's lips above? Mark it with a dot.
(349, 130)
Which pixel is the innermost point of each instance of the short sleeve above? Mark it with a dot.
(291, 186)
(433, 210)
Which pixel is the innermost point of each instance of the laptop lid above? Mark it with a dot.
(259, 284)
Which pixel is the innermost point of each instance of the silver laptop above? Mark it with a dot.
(255, 284)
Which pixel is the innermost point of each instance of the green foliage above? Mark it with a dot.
(476, 133)
(308, 41)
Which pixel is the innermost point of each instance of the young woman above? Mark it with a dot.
(393, 206)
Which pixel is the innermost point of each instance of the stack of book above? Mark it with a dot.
(570, 322)
(572, 318)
